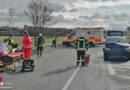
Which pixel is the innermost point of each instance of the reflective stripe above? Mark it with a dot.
(10, 44)
(27, 69)
(11, 40)
(40, 45)
(54, 38)
(78, 60)
(28, 45)
(83, 48)
(82, 60)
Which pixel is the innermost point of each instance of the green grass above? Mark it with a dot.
(18, 40)
(49, 40)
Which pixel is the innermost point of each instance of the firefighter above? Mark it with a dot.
(40, 47)
(27, 45)
(81, 46)
(11, 42)
(54, 41)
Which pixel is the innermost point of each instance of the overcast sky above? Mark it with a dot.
(112, 14)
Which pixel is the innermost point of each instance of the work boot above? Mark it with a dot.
(77, 63)
(82, 63)
(40, 54)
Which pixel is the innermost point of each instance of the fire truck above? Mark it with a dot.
(94, 36)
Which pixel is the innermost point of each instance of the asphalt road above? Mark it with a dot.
(57, 70)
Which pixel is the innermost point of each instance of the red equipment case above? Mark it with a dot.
(86, 59)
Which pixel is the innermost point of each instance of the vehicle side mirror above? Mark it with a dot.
(129, 42)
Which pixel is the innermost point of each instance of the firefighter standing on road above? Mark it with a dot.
(40, 47)
(81, 46)
(53, 42)
(11, 42)
(27, 45)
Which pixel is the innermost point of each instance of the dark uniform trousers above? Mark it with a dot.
(39, 50)
(80, 55)
(53, 44)
(40, 47)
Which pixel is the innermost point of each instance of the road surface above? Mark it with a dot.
(57, 70)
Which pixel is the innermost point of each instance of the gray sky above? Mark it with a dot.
(112, 14)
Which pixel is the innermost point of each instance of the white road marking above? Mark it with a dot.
(111, 70)
(70, 79)
(5, 87)
(124, 77)
(128, 63)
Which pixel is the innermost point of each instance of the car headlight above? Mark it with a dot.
(127, 49)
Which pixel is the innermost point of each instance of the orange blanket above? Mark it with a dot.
(15, 54)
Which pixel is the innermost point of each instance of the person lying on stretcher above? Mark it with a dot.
(4, 51)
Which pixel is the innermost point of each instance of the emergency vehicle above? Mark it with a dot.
(93, 35)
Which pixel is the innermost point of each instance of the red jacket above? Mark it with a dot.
(27, 41)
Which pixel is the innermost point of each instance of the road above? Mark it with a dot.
(57, 70)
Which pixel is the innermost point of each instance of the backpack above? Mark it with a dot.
(28, 65)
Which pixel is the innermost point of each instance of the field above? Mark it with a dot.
(18, 40)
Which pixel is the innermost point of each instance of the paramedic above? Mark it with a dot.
(27, 45)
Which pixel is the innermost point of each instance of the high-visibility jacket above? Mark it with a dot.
(11, 43)
(54, 38)
(81, 44)
(27, 41)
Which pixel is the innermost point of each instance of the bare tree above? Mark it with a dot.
(45, 14)
(11, 14)
(39, 13)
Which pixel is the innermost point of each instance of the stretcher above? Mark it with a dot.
(15, 57)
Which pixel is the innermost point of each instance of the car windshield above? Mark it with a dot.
(116, 40)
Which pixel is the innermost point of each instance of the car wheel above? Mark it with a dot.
(91, 44)
(105, 57)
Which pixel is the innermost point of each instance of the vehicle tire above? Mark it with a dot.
(91, 44)
(128, 57)
(105, 57)
(68, 45)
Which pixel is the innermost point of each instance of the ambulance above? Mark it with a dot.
(94, 36)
